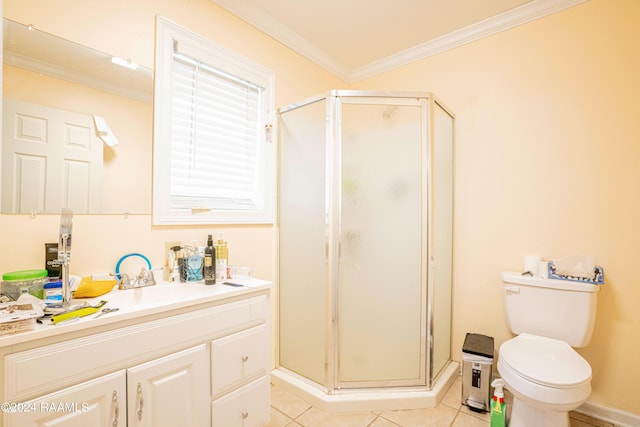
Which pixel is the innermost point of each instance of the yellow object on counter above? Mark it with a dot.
(89, 288)
(81, 312)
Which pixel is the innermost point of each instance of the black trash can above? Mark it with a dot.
(477, 364)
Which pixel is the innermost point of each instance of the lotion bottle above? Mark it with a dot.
(209, 266)
(222, 259)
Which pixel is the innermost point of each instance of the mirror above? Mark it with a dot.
(43, 70)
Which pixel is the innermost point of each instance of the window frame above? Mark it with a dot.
(167, 33)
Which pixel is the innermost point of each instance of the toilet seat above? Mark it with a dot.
(545, 361)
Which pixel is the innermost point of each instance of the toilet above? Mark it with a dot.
(540, 367)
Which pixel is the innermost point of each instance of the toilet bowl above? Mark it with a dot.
(547, 378)
(539, 366)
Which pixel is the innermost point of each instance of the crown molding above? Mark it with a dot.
(521, 15)
(528, 12)
(115, 86)
(267, 24)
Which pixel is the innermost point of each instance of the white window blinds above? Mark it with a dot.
(216, 133)
(213, 161)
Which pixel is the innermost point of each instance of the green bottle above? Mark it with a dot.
(498, 407)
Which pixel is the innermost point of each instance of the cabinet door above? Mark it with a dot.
(97, 403)
(170, 391)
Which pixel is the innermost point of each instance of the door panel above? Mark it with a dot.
(381, 233)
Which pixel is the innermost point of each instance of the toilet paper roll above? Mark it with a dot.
(531, 264)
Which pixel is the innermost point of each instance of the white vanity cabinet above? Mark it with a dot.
(198, 365)
(169, 391)
(99, 402)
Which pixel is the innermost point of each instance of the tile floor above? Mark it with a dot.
(290, 411)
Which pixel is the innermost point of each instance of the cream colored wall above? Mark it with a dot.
(127, 29)
(547, 162)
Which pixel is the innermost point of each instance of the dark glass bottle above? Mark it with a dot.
(209, 266)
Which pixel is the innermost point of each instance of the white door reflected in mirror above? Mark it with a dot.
(51, 159)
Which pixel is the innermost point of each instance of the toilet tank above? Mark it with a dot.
(559, 309)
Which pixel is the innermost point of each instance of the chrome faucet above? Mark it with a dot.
(64, 254)
(144, 278)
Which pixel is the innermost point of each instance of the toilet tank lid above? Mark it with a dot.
(516, 278)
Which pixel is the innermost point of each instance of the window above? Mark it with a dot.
(213, 153)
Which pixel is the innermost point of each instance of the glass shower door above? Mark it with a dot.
(365, 240)
(302, 269)
(382, 232)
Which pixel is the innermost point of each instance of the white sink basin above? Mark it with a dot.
(159, 294)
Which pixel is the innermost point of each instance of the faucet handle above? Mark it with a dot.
(145, 278)
(123, 280)
(152, 278)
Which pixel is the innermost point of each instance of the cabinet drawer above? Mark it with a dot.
(239, 358)
(249, 406)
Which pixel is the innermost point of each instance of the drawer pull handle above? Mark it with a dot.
(140, 401)
(245, 415)
(245, 358)
(116, 409)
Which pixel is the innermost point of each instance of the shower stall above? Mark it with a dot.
(365, 206)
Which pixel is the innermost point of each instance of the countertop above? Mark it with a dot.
(141, 302)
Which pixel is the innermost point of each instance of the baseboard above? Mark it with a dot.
(609, 414)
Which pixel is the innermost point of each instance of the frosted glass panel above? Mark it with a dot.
(302, 264)
(441, 235)
(380, 289)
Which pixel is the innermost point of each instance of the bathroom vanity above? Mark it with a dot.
(173, 354)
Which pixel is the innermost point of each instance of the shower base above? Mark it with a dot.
(360, 400)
